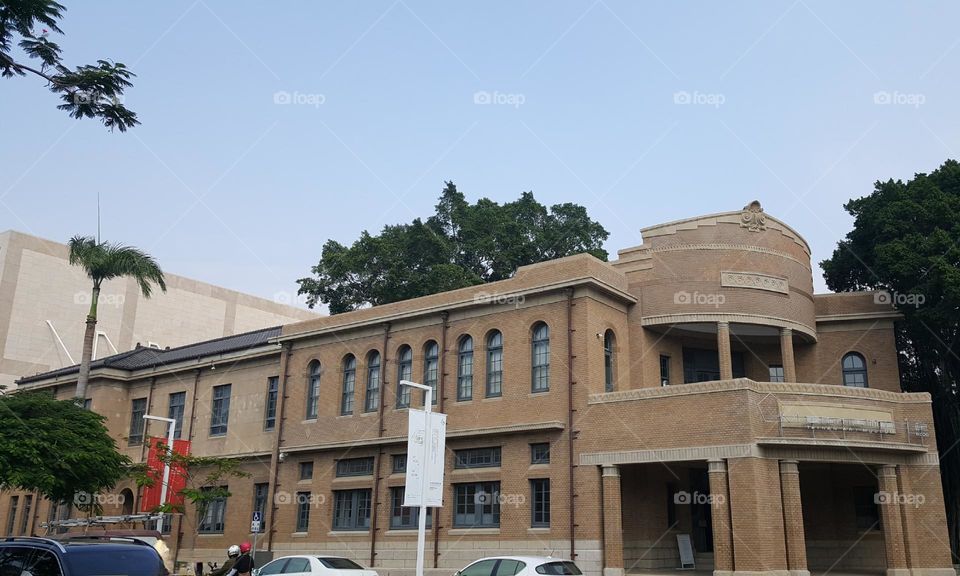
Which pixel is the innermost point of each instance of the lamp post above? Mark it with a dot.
(422, 519)
(166, 466)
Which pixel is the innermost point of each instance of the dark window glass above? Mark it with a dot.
(349, 384)
(431, 363)
(351, 509)
(212, 514)
(509, 567)
(260, 502)
(854, 371)
(141, 561)
(494, 364)
(477, 457)
(313, 389)
(275, 567)
(671, 505)
(12, 515)
(540, 502)
(540, 453)
(404, 372)
(480, 568)
(220, 413)
(608, 344)
(88, 404)
(477, 505)
(303, 511)
(372, 401)
(465, 369)
(560, 568)
(27, 510)
(865, 508)
(355, 467)
(306, 470)
(339, 564)
(404, 517)
(664, 370)
(776, 373)
(399, 463)
(177, 402)
(138, 409)
(297, 565)
(540, 351)
(270, 419)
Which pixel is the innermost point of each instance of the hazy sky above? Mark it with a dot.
(269, 127)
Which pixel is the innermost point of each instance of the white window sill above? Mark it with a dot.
(464, 531)
(348, 533)
(299, 535)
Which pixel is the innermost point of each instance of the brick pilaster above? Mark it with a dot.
(612, 522)
(720, 514)
(723, 348)
(887, 495)
(786, 355)
(793, 518)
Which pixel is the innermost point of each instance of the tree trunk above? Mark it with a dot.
(88, 335)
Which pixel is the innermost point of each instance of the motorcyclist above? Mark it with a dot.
(233, 553)
(244, 564)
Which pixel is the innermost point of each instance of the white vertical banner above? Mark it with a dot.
(425, 458)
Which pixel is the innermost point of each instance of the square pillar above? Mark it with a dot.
(924, 519)
(723, 349)
(793, 518)
(612, 522)
(891, 524)
(786, 355)
(720, 514)
(756, 514)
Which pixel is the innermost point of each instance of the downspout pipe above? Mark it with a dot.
(277, 443)
(375, 505)
(188, 436)
(571, 434)
(444, 318)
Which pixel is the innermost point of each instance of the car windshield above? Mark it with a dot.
(559, 569)
(340, 564)
(95, 561)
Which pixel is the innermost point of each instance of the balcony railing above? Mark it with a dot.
(832, 428)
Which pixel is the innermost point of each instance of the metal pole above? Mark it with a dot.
(166, 466)
(253, 553)
(422, 524)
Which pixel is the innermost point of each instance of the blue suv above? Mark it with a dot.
(30, 556)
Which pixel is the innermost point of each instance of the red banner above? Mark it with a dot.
(177, 481)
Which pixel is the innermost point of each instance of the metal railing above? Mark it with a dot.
(828, 427)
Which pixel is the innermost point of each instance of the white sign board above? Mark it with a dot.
(255, 526)
(425, 458)
(686, 551)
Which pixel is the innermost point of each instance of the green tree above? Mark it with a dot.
(56, 448)
(906, 240)
(461, 245)
(91, 91)
(103, 261)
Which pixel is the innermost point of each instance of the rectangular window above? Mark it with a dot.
(212, 513)
(476, 505)
(494, 372)
(12, 518)
(355, 467)
(540, 503)
(351, 509)
(139, 408)
(664, 370)
(671, 505)
(349, 384)
(303, 511)
(372, 397)
(865, 508)
(465, 371)
(270, 417)
(776, 373)
(175, 410)
(27, 510)
(306, 470)
(220, 410)
(541, 366)
(88, 404)
(399, 463)
(313, 393)
(477, 457)
(260, 502)
(404, 517)
(431, 370)
(540, 453)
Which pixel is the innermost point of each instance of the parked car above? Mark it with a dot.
(312, 565)
(47, 557)
(520, 566)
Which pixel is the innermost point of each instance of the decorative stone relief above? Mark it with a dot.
(754, 280)
(752, 217)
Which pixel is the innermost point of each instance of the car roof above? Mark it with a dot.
(77, 545)
(527, 559)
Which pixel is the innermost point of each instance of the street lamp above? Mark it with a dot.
(422, 524)
(166, 466)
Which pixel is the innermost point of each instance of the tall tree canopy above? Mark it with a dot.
(91, 91)
(462, 244)
(906, 239)
(56, 448)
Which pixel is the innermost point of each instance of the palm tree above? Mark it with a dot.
(103, 261)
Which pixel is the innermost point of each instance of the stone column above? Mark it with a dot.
(612, 522)
(892, 527)
(723, 349)
(793, 518)
(720, 514)
(786, 355)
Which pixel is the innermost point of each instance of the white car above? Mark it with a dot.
(520, 566)
(313, 565)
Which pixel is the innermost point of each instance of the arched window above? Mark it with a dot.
(540, 361)
(404, 372)
(313, 388)
(431, 370)
(372, 397)
(349, 384)
(609, 342)
(854, 370)
(494, 364)
(126, 504)
(465, 369)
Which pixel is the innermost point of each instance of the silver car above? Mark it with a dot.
(308, 565)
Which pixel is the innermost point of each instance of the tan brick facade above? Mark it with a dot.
(695, 386)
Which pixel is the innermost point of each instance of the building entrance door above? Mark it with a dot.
(701, 518)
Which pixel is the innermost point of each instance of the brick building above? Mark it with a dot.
(695, 386)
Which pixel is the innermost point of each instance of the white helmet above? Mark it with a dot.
(233, 551)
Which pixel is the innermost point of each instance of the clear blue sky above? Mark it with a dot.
(644, 112)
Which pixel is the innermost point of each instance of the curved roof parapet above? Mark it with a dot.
(751, 217)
